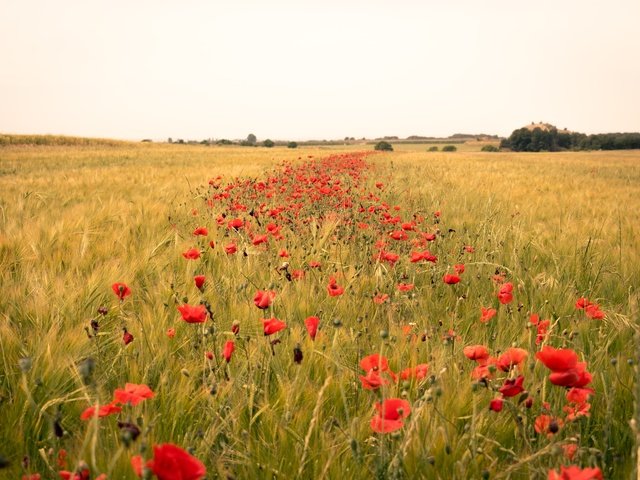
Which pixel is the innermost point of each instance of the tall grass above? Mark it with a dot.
(74, 220)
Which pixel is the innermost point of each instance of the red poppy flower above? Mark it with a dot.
(297, 274)
(399, 235)
(582, 303)
(236, 223)
(496, 404)
(380, 298)
(405, 287)
(573, 472)
(259, 239)
(333, 288)
(372, 380)
(127, 337)
(230, 248)
(103, 411)
(459, 268)
(391, 414)
(201, 231)
(171, 332)
(137, 464)
(173, 463)
(558, 360)
(264, 298)
(476, 352)
(193, 314)
(512, 387)
(593, 311)
(272, 325)
(314, 264)
(132, 393)
(505, 295)
(283, 253)
(451, 279)
(418, 372)
(121, 290)
(191, 254)
(199, 281)
(229, 347)
(469, 249)
(547, 424)
(487, 314)
(512, 356)
(312, 326)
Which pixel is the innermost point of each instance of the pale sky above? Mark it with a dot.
(295, 69)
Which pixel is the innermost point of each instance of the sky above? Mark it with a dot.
(296, 69)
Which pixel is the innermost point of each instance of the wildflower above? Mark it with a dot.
(193, 314)
(311, 323)
(201, 231)
(487, 314)
(390, 416)
(264, 298)
(512, 387)
(380, 298)
(199, 281)
(171, 462)
(573, 472)
(459, 268)
(229, 347)
(512, 356)
(103, 411)
(191, 254)
(405, 287)
(127, 337)
(333, 288)
(505, 294)
(450, 279)
(132, 394)
(496, 404)
(121, 290)
(171, 332)
(476, 352)
(272, 325)
(418, 372)
(230, 248)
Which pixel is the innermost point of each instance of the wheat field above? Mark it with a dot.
(74, 220)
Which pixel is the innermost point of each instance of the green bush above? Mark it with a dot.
(268, 143)
(449, 148)
(489, 148)
(433, 149)
(384, 146)
(292, 145)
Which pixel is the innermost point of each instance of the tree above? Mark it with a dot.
(292, 145)
(383, 146)
(251, 139)
(268, 143)
(449, 148)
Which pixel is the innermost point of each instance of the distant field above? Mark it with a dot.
(76, 219)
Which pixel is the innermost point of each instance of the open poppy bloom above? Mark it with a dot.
(264, 298)
(103, 411)
(450, 279)
(505, 294)
(171, 462)
(132, 393)
(202, 231)
(512, 387)
(193, 314)
(418, 372)
(333, 288)
(574, 472)
(487, 314)
(230, 248)
(476, 352)
(192, 254)
(511, 357)
(272, 325)
(405, 287)
(391, 414)
(121, 290)
(496, 404)
(311, 323)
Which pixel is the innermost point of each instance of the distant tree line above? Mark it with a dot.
(552, 140)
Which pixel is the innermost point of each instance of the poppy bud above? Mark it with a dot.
(103, 310)
(4, 463)
(297, 354)
(209, 355)
(25, 364)
(95, 325)
(553, 427)
(127, 338)
(235, 327)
